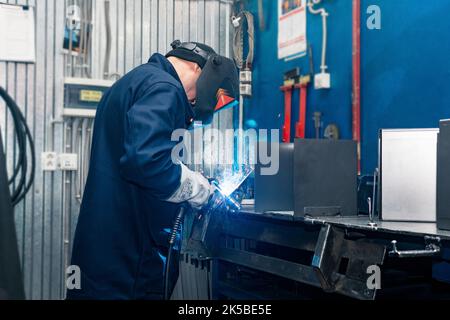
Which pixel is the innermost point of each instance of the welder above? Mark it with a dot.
(134, 187)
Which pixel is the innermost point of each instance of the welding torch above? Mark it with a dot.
(219, 200)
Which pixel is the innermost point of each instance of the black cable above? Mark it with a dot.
(172, 239)
(29, 184)
(23, 135)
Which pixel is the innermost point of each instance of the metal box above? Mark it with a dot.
(443, 176)
(82, 96)
(408, 160)
(325, 178)
(275, 192)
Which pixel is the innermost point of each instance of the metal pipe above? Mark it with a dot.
(262, 22)
(371, 214)
(65, 209)
(356, 57)
(240, 148)
(431, 250)
(80, 57)
(108, 40)
(70, 46)
(76, 132)
(374, 193)
(87, 123)
(87, 38)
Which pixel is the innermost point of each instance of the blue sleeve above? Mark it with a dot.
(147, 161)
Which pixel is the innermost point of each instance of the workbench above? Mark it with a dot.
(419, 229)
(279, 256)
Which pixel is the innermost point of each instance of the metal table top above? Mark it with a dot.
(420, 229)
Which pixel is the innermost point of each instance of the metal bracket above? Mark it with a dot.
(326, 256)
(342, 265)
(199, 242)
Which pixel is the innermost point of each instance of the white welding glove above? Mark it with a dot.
(194, 189)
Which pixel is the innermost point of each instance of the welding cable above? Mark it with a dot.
(238, 39)
(20, 171)
(172, 239)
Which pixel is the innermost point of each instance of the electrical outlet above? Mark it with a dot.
(49, 161)
(68, 162)
(322, 81)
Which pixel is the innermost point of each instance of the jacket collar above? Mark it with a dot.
(162, 63)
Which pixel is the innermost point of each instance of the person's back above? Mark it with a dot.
(135, 187)
(119, 232)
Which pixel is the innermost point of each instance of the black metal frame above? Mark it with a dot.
(328, 246)
(334, 258)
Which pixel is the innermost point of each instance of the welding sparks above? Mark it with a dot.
(229, 180)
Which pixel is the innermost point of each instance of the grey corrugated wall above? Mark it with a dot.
(140, 27)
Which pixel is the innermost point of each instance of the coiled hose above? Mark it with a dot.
(19, 181)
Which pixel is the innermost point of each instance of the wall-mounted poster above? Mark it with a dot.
(17, 33)
(291, 29)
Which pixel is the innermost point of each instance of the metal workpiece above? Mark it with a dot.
(325, 178)
(408, 166)
(203, 237)
(205, 227)
(402, 228)
(412, 229)
(325, 253)
(341, 264)
(267, 197)
(443, 176)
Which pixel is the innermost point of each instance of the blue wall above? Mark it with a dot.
(405, 70)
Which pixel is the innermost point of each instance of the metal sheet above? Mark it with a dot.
(443, 176)
(408, 174)
(414, 229)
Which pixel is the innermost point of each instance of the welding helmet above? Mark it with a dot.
(218, 84)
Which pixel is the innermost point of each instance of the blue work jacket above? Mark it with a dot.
(119, 242)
